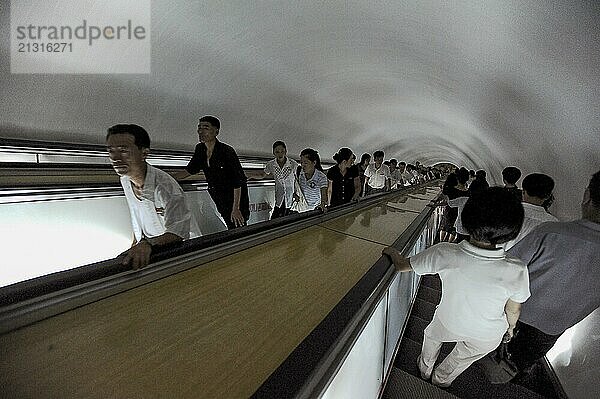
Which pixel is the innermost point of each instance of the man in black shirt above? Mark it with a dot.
(224, 174)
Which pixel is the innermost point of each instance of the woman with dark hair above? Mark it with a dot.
(343, 181)
(365, 160)
(311, 179)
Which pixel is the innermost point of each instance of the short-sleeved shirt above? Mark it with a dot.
(223, 175)
(377, 176)
(459, 202)
(407, 178)
(311, 188)
(476, 283)
(563, 259)
(342, 185)
(395, 177)
(534, 216)
(284, 180)
(162, 209)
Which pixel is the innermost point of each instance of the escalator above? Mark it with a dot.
(225, 320)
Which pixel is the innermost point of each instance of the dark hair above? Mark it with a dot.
(480, 174)
(462, 175)
(394, 161)
(312, 156)
(213, 120)
(478, 184)
(402, 163)
(538, 185)
(594, 188)
(451, 182)
(364, 158)
(344, 154)
(493, 215)
(511, 174)
(472, 173)
(142, 139)
(378, 154)
(279, 143)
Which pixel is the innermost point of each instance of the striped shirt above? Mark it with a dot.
(311, 188)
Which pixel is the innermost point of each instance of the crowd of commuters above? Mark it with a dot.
(510, 271)
(160, 214)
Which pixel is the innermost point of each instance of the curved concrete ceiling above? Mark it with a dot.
(480, 84)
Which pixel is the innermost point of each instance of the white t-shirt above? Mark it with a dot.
(395, 178)
(534, 216)
(311, 188)
(460, 204)
(284, 180)
(476, 283)
(163, 207)
(377, 176)
(406, 178)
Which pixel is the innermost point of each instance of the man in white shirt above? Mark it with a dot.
(159, 211)
(395, 175)
(377, 175)
(537, 188)
(404, 174)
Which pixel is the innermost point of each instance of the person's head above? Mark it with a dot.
(492, 216)
(343, 157)
(480, 174)
(462, 175)
(590, 206)
(537, 187)
(128, 146)
(310, 160)
(352, 159)
(279, 150)
(402, 166)
(471, 174)
(511, 175)
(208, 128)
(378, 158)
(451, 182)
(393, 163)
(365, 159)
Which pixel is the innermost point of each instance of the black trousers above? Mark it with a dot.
(280, 211)
(529, 345)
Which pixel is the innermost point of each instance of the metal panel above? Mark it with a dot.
(361, 374)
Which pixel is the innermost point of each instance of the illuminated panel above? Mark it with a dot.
(46, 237)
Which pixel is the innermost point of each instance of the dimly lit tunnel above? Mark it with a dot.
(304, 305)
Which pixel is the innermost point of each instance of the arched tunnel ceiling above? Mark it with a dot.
(480, 84)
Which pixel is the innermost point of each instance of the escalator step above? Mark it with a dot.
(414, 328)
(402, 385)
(429, 294)
(432, 281)
(423, 309)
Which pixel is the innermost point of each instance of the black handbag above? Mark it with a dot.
(497, 366)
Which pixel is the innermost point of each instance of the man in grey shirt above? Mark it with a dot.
(563, 259)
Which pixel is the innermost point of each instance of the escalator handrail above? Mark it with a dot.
(314, 363)
(28, 301)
